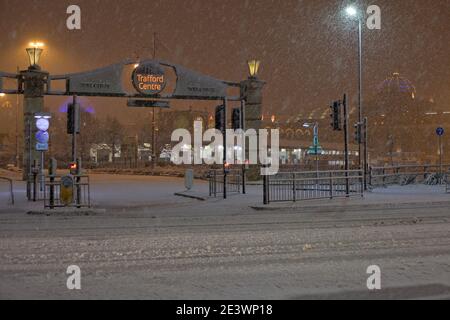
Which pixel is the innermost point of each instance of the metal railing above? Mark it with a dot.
(81, 192)
(300, 186)
(11, 188)
(216, 179)
(405, 174)
(447, 182)
(35, 187)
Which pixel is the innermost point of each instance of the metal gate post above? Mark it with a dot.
(215, 184)
(331, 185)
(294, 188)
(52, 173)
(34, 180)
(78, 181)
(266, 189)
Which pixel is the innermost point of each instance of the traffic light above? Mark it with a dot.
(358, 133)
(73, 167)
(236, 118)
(73, 118)
(336, 120)
(220, 118)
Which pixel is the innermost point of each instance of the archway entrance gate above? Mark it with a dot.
(153, 84)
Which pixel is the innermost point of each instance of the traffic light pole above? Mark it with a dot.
(366, 152)
(346, 160)
(244, 149)
(225, 105)
(74, 134)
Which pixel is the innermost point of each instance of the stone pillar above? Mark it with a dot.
(251, 92)
(33, 83)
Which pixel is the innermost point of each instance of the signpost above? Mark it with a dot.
(42, 139)
(440, 132)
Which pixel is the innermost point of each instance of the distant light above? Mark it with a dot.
(446, 112)
(306, 125)
(136, 65)
(2, 95)
(351, 11)
(431, 113)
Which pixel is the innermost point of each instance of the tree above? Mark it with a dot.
(113, 133)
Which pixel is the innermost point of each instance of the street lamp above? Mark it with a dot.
(351, 11)
(34, 52)
(354, 13)
(253, 67)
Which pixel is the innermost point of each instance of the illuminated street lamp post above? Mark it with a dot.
(32, 83)
(251, 106)
(354, 13)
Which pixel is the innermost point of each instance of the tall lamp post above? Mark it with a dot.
(32, 83)
(354, 13)
(251, 108)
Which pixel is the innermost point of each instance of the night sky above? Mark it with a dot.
(308, 48)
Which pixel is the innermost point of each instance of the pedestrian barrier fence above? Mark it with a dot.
(311, 185)
(447, 182)
(10, 191)
(407, 174)
(216, 181)
(67, 191)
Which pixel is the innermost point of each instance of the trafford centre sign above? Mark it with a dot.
(149, 78)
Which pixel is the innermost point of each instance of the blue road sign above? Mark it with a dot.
(41, 146)
(440, 131)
